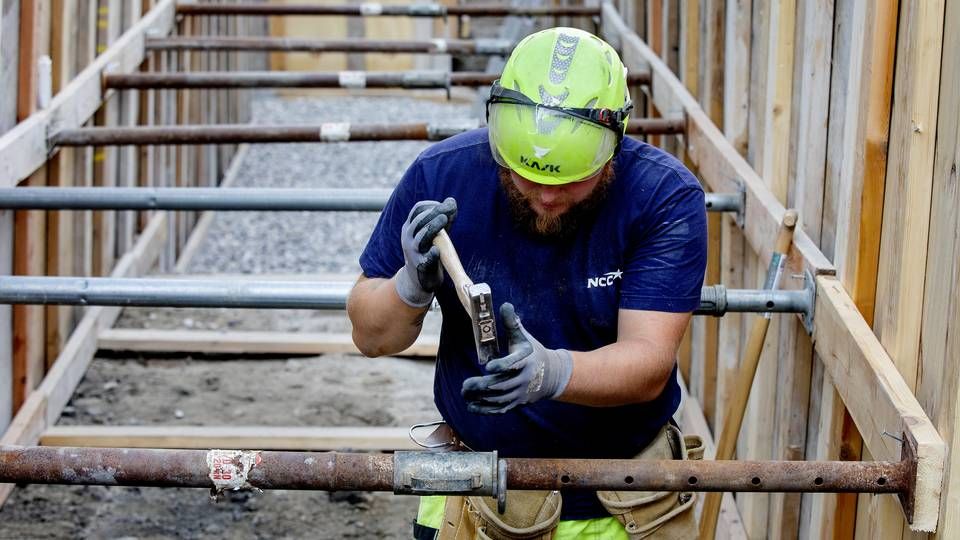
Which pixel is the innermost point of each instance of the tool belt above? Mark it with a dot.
(534, 515)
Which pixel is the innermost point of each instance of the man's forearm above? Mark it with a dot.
(621, 373)
(382, 323)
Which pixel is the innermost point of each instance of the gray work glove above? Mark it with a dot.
(422, 273)
(530, 372)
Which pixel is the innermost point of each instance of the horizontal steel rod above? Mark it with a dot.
(322, 133)
(270, 294)
(230, 199)
(223, 199)
(372, 9)
(320, 79)
(334, 471)
(430, 46)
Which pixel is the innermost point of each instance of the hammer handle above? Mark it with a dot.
(451, 263)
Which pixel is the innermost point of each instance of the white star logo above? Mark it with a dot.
(614, 275)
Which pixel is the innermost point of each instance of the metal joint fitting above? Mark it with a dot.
(478, 474)
(725, 202)
(426, 79)
(493, 46)
(717, 300)
(427, 10)
(440, 131)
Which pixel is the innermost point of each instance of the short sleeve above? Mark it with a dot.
(383, 257)
(667, 257)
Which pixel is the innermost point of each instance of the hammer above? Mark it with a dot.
(475, 297)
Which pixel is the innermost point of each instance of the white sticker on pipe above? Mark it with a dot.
(335, 132)
(371, 9)
(229, 469)
(440, 45)
(352, 79)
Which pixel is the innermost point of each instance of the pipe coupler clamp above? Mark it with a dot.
(713, 300)
(440, 131)
(478, 474)
(427, 79)
(500, 47)
(427, 10)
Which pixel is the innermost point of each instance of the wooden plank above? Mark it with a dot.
(43, 407)
(877, 397)
(720, 166)
(60, 241)
(903, 245)
(710, 71)
(244, 342)
(246, 437)
(9, 53)
(29, 249)
(24, 148)
(938, 388)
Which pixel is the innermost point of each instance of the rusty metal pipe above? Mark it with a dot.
(333, 132)
(434, 46)
(333, 79)
(373, 9)
(333, 471)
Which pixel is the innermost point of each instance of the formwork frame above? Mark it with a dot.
(852, 355)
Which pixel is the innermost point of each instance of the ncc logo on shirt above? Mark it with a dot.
(605, 280)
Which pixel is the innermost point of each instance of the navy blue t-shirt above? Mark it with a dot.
(645, 249)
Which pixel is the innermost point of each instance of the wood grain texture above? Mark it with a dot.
(246, 437)
(250, 342)
(938, 387)
(24, 148)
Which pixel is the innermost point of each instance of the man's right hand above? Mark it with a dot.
(422, 273)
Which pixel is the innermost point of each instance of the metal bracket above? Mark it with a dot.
(439, 131)
(450, 473)
(809, 287)
(427, 10)
(908, 456)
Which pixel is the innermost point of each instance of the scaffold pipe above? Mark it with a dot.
(373, 9)
(199, 199)
(321, 295)
(321, 79)
(322, 133)
(421, 473)
(490, 47)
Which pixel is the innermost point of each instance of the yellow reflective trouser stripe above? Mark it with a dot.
(430, 514)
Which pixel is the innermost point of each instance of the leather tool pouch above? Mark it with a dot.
(664, 515)
(530, 515)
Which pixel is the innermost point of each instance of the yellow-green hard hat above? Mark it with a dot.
(559, 110)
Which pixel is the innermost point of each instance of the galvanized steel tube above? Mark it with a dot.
(222, 199)
(268, 294)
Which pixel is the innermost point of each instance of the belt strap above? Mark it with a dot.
(423, 532)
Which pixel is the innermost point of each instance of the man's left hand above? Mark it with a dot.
(530, 372)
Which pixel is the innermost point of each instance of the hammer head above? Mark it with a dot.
(484, 322)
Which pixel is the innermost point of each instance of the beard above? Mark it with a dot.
(555, 226)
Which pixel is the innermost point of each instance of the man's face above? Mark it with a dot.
(554, 210)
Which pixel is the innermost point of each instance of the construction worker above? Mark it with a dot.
(594, 244)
